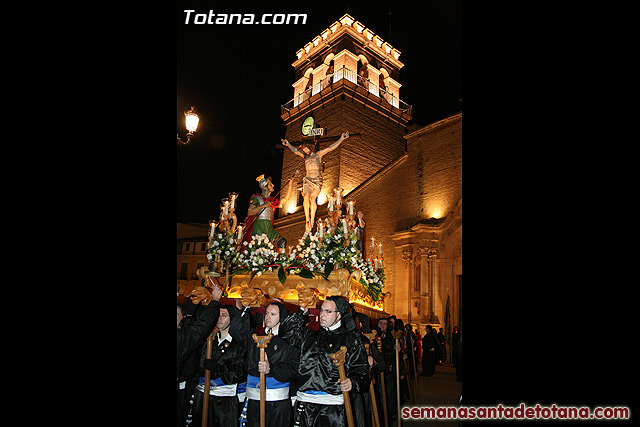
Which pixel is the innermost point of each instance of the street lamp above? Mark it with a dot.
(191, 120)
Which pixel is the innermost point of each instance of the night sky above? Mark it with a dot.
(237, 76)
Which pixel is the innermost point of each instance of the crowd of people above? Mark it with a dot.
(303, 385)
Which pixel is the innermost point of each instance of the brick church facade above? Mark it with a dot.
(405, 178)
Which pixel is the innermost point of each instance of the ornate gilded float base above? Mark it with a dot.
(340, 282)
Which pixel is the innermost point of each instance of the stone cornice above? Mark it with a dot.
(435, 125)
(347, 24)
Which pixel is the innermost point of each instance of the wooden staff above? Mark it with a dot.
(409, 383)
(397, 335)
(372, 393)
(382, 387)
(406, 367)
(262, 341)
(338, 360)
(207, 377)
(415, 369)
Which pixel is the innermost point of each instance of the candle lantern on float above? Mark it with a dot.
(223, 233)
(320, 232)
(232, 197)
(212, 229)
(351, 208)
(228, 219)
(351, 216)
(334, 209)
(338, 192)
(331, 203)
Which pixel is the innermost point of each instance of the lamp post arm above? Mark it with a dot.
(182, 143)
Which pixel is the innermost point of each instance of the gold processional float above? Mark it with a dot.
(323, 264)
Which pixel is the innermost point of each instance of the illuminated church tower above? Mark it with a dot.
(346, 79)
(407, 180)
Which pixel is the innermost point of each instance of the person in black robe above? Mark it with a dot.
(429, 344)
(410, 343)
(362, 411)
(188, 376)
(192, 332)
(227, 366)
(455, 350)
(191, 337)
(441, 354)
(391, 322)
(398, 326)
(280, 368)
(389, 354)
(320, 400)
(409, 352)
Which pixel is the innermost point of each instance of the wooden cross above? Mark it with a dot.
(316, 140)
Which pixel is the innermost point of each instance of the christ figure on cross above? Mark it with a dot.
(312, 182)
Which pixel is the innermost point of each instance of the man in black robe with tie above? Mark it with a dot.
(320, 399)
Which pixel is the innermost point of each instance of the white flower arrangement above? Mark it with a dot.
(223, 244)
(309, 258)
(258, 255)
(339, 251)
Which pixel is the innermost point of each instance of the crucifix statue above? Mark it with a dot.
(312, 182)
